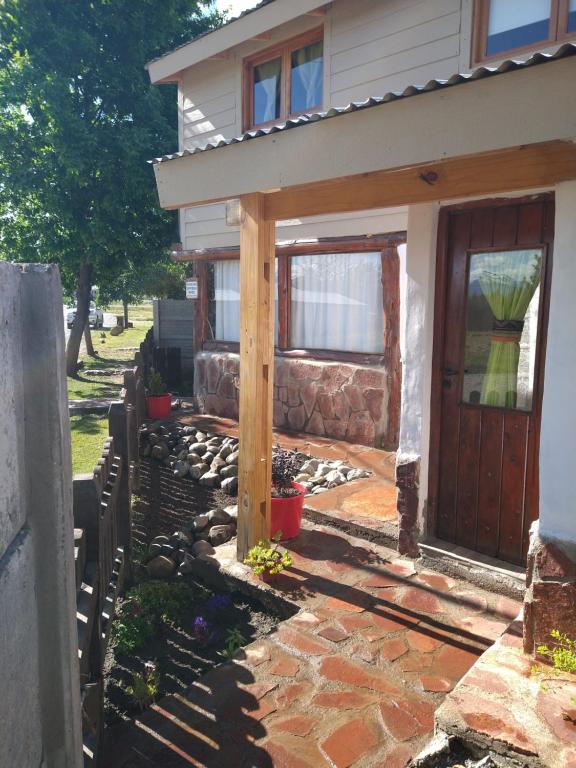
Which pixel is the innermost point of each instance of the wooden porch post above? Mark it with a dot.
(256, 372)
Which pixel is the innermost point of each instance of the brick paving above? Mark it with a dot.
(353, 680)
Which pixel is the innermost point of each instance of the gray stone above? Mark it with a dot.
(161, 567)
(230, 485)
(198, 470)
(200, 437)
(200, 522)
(162, 539)
(310, 466)
(232, 511)
(210, 480)
(194, 458)
(202, 548)
(335, 477)
(199, 448)
(225, 451)
(167, 550)
(302, 477)
(219, 517)
(181, 469)
(319, 489)
(217, 464)
(233, 458)
(159, 451)
(229, 470)
(181, 539)
(323, 469)
(220, 534)
(145, 450)
(356, 474)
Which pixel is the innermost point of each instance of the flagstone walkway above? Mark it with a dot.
(352, 680)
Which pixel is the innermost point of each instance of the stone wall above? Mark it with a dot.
(550, 600)
(331, 399)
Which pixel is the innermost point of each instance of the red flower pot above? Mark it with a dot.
(286, 514)
(159, 406)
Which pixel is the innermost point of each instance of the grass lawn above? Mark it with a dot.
(136, 312)
(115, 353)
(88, 435)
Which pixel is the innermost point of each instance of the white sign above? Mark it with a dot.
(192, 288)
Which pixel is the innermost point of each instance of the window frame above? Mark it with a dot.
(385, 244)
(557, 32)
(284, 52)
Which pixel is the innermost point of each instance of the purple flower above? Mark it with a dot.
(201, 628)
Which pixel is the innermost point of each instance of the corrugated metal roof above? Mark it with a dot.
(566, 50)
(247, 12)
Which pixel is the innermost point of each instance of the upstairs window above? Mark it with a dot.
(503, 27)
(284, 81)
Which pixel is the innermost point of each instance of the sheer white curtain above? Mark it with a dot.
(227, 300)
(307, 68)
(267, 91)
(336, 302)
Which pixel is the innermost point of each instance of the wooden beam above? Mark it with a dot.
(527, 167)
(257, 257)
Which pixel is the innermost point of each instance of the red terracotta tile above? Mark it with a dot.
(393, 649)
(436, 580)
(401, 567)
(453, 662)
(482, 627)
(259, 690)
(287, 695)
(436, 684)
(264, 708)
(306, 619)
(422, 642)
(470, 601)
(298, 725)
(381, 581)
(405, 718)
(341, 669)
(301, 642)
(287, 755)
(364, 651)
(491, 682)
(343, 699)
(507, 609)
(353, 622)
(333, 634)
(255, 654)
(420, 600)
(489, 717)
(349, 743)
(399, 757)
(416, 662)
(336, 604)
(287, 666)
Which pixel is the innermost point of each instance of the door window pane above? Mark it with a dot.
(266, 93)
(514, 23)
(572, 16)
(224, 301)
(336, 302)
(306, 86)
(501, 328)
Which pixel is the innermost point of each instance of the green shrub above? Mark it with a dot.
(562, 654)
(145, 687)
(156, 384)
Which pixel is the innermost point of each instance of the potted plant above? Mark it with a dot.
(267, 560)
(287, 496)
(158, 400)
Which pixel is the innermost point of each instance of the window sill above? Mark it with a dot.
(327, 355)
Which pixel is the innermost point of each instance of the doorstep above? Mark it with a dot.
(501, 706)
(487, 572)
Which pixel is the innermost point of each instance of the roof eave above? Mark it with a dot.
(256, 22)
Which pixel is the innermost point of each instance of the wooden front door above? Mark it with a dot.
(494, 265)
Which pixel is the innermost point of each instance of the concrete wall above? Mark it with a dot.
(40, 710)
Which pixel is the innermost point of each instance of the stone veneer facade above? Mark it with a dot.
(331, 399)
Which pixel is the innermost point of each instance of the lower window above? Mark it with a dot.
(336, 302)
(332, 302)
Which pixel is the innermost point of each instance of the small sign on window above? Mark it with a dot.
(192, 288)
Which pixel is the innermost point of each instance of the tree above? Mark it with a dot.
(78, 121)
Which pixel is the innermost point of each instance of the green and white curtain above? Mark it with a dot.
(508, 281)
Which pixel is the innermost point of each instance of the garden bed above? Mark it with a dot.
(168, 634)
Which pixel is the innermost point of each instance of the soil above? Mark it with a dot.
(182, 653)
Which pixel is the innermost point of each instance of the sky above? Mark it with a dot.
(235, 6)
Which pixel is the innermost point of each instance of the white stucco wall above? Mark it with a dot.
(416, 338)
(558, 431)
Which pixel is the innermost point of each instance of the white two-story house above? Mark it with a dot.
(418, 162)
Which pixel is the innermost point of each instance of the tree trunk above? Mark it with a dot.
(125, 305)
(88, 341)
(80, 321)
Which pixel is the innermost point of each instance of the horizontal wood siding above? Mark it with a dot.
(173, 327)
(371, 47)
(385, 46)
